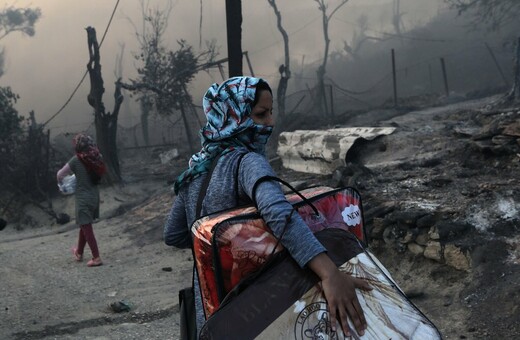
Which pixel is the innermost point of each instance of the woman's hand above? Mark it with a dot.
(340, 291)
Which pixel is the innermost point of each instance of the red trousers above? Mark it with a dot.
(86, 235)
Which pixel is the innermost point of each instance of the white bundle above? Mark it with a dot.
(68, 185)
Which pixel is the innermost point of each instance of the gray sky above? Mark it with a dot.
(45, 69)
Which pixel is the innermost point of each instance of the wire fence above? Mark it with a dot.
(367, 84)
(363, 84)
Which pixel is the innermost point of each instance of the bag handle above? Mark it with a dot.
(273, 178)
(221, 293)
(202, 195)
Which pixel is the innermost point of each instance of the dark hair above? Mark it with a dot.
(261, 86)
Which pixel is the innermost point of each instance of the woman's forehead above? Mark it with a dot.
(265, 97)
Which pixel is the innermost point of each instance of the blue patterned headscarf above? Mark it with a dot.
(227, 108)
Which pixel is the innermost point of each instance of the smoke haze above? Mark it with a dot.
(45, 69)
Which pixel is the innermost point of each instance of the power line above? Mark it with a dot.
(86, 72)
(350, 92)
(356, 99)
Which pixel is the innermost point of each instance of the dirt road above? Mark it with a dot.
(45, 294)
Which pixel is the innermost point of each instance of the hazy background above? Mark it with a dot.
(45, 69)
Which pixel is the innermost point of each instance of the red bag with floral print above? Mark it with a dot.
(229, 246)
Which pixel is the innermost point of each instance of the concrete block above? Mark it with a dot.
(322, 151)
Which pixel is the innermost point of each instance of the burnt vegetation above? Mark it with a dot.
(25, 152)
(348, 83)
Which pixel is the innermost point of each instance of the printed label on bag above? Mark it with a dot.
(313, 322)
(351, 215)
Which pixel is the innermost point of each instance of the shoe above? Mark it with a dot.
(77, 256)
(95, 262)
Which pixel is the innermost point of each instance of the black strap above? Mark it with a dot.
(287, 221)
(273, 178)
(204, 187)
(237, 172)
(202, 195)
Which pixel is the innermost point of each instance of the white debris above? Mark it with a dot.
(322, 151)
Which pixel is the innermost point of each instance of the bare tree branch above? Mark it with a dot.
(285, 69)
(322, 68)
(105, 122)
(494, 13)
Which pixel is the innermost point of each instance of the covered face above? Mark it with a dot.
(228, 108)
(239, 114)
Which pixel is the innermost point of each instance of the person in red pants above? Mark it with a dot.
(88, 167)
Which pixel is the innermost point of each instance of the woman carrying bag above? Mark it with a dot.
(239, 122)
(88, 167)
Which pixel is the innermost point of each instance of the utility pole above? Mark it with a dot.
(445, 77)
(234, 36)
(394, 77)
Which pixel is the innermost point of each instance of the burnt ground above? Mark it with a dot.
(447, 179)
(441, 200)
(461, 178)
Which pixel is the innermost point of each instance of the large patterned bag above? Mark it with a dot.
(252, 288)
(284, 301)
(231, 245)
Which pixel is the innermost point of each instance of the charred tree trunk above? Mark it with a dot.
(146, 107)
(322, 69)
(234, 36)
(513, 96)
(397, 21)
(105, 122)
(322, 101)
(188, 129)
(191, 106)
(285, 70)
(514, 93)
